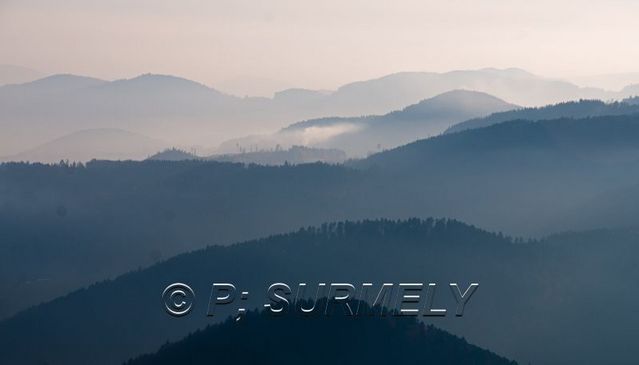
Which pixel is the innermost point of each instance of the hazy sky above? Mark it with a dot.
(256, 46)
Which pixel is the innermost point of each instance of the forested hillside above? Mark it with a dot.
(101, 219)
(570, 109)
(545, 290)
(295, 339)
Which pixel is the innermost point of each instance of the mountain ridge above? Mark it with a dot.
(173, 111)
(571, 109)
(361, 135)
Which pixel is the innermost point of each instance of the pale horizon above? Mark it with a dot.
(608, 82)
(256, 49)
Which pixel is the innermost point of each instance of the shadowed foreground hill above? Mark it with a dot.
(294, 339)
(535, 302)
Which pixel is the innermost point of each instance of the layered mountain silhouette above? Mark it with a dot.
(573, 109)
(515, 85)
(380, 181)
(315, 339)
(187, 113)
(364, 135)
(117, 216)
(543, 289)
(154, 105)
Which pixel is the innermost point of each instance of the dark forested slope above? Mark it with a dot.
(263, 338)
(571, 109)
(531, 294)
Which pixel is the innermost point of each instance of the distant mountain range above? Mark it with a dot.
(450, 112)
(189, 114)
(364, 135)
(515, 85)
(153, 105)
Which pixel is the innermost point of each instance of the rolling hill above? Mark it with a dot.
(86, 145)
(541, 288)
(574, 109)
(154, 105)
(173, 154)
(342, 339)
(364, 135)
(603, 140)
(515, 85)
